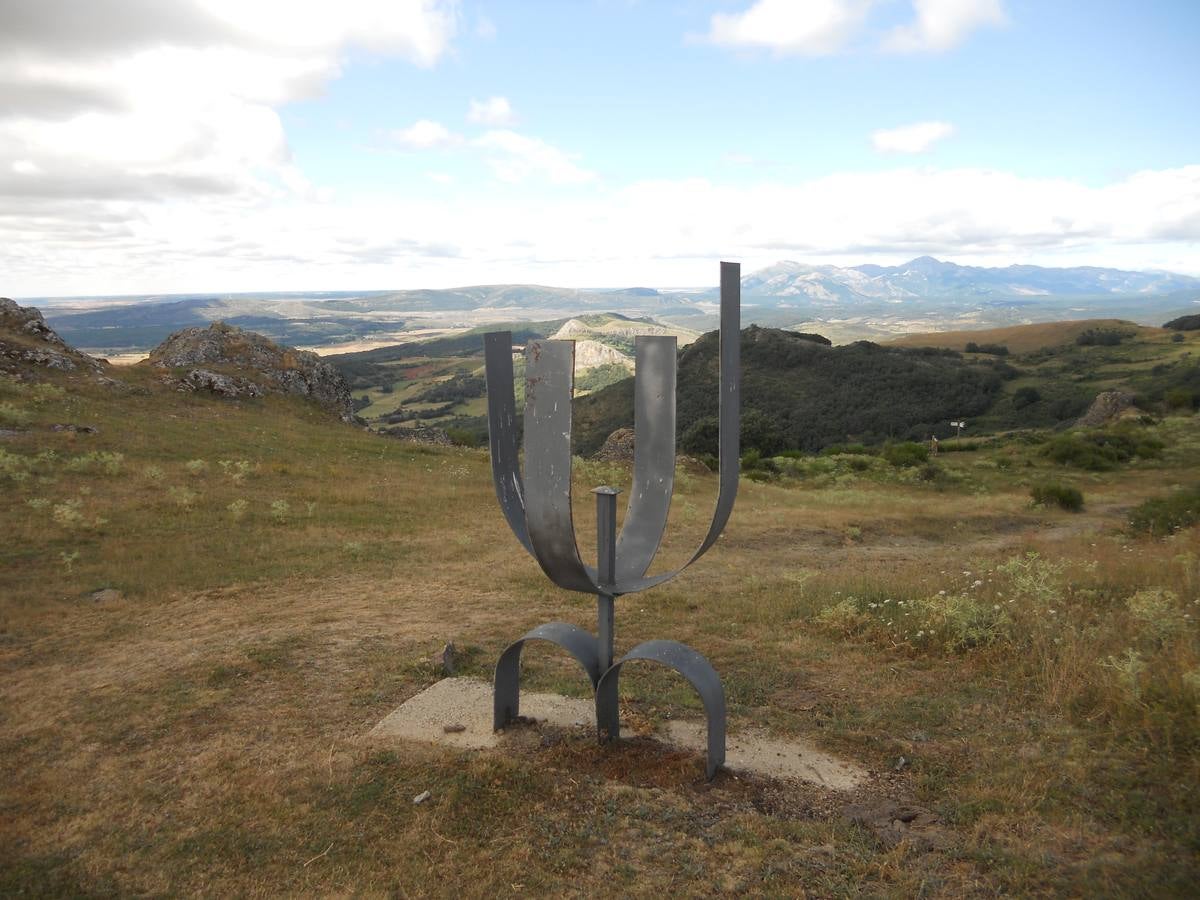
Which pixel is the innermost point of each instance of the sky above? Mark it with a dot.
(179, 146)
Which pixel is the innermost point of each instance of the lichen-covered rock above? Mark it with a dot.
(26, 342)
(618, 447)
(225, 385)
(27, 320)
(274, 368)
(1107, 406)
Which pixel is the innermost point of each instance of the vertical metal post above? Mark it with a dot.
(607, 715)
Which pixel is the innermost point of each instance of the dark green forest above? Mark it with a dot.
(801, 394)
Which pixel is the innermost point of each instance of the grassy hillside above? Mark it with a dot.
(1025, 675)
(1021, 338)
(800, 394)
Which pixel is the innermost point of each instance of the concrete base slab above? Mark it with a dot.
(457, 712)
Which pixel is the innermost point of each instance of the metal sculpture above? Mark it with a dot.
(538, 506)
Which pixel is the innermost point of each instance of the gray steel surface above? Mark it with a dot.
(692, 666)
(538, 507)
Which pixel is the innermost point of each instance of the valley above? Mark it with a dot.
(207, 601)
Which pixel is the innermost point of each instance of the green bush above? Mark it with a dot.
(1101, 451)
(701, 437)
(1026, 396)
(1060, 495)
(906, 454)
(10, 414)
(1103, 337)
(463, 437)
(993, 349)
(845, 449)
(1180, 398)
(1161, 516)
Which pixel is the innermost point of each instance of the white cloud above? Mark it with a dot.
(143, 100)
(516, 157)
(943, 24)
(494, 111)
(25, 167)
(812, 28)
(655, 232)
(424, 134)
(916, 138)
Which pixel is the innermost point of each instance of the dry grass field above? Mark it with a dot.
(1024, 338)
(284, 582)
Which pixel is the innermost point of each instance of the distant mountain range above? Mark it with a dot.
(868, 301)
(926, 278)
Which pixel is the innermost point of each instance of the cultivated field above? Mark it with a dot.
(1028, 677)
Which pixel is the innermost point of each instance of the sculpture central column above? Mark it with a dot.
(606, 577)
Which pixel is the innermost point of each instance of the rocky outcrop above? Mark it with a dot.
(421, 434)
(225, 385)
(27, 342)
(618, 447)
(589, 354)
(260, 366)
(1107, 406)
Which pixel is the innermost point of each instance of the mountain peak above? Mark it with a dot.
(927, 264)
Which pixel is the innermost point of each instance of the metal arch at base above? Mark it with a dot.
(692, 666)
(507, 694)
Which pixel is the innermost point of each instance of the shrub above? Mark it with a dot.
(1161, 516)
(929, 472)
(844, 617)
(1100, 451)
(1060, 495)
(701, 437)
(1177, 338)
(1026, 396)
(1157, 614)
(13, 415)
(993, 349)
(463, 437)
(97, 461)
(958, 621)
(761, 432)
(844, 449)
(237, 509)
(751, 460)
(906, 454)
(1180, 398)
(1102, 337)
(181, 496)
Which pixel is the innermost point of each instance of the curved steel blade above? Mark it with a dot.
(692, 666)
(729, 419)
(506, 701)
(653, 456)
(549, 377)
(502, 432)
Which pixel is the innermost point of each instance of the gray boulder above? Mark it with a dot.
(273, 368)
(1108, 406)
(27, 342)
(618, 447)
